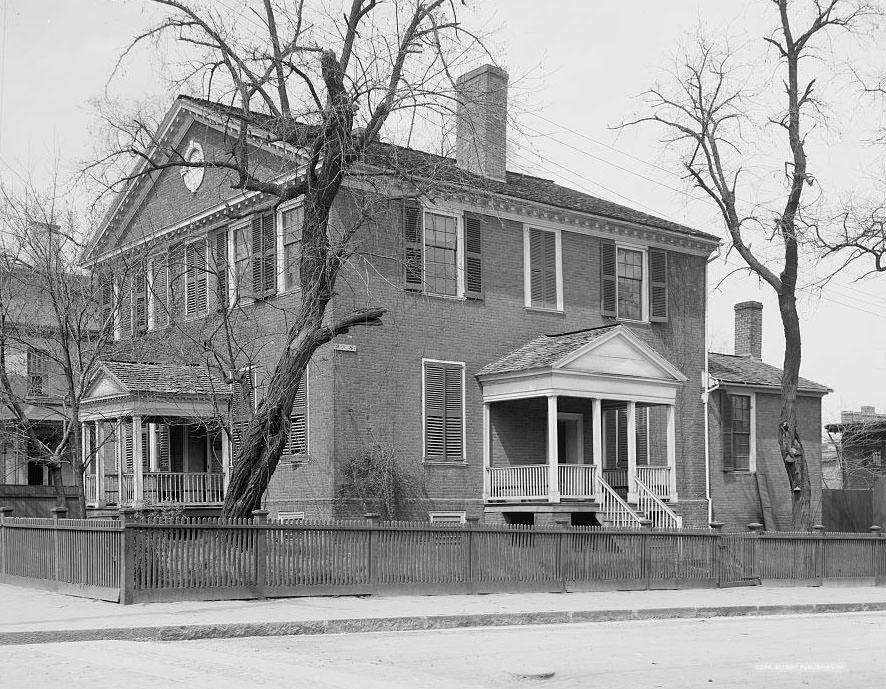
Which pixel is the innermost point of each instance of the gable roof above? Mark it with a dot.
(444, 171)
(561, 350)
(165, 379)
(746, 370)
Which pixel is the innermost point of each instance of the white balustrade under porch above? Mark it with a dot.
(183, 487)
(657, 479)
(527, 482)
(576, 480)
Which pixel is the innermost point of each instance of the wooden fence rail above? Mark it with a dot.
(204, 559)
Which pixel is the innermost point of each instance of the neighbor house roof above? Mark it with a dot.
(445, 170)
(166, 379)
(746, 370)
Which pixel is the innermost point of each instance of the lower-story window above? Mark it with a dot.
(446, 517)
(297, 442)
(443, 394)
(736, 421)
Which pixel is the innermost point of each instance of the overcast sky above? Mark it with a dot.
(577, 67)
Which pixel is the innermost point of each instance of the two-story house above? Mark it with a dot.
(541, 359)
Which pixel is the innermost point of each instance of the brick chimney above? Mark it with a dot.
(749, 329)
(868, 411)
(482, 122)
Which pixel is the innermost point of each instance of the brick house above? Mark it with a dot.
(541, 360)
(860, 444)
(748, 482)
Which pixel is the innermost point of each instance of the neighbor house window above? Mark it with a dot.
(736, 421)
(441, 259)
(630, 284)
(627, 290)
(542, 269)
(38, 374)
(443, 391)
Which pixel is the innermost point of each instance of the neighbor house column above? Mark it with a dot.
(93, 492)
(99, 450)
(553, 446)
(487, 450)
(137, 466)
(632, 451)
(597, 440)
(672, 450)
(226, 459)
(153, 448)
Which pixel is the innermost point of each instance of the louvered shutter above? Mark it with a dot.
(195, 275)
(726, 430)
(220, 267)
(106, 298)
(160, 292)
(163, 454)
(177, 280)
(146, 451)
(140, 301)
(543, 268)
(642, 426)
(658, 285)
(608, 305)
(125, 307)
(444, 412)
(611, 433)
(622, 424)
(264, 256)
(473, 256)
(297, 443)
(127, 447)
(257, 263)
(413, 246)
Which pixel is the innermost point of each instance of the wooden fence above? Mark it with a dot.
(205, 559)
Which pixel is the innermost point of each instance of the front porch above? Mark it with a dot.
(155, 440)
(594, 424)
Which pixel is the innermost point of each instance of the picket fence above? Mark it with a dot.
(210, 559)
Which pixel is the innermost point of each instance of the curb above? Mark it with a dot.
(355, 625)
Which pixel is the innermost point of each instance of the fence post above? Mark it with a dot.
(819, 553)
(879, 555)
(127, 555)
(260, 519)
(645, 573)
(4, 513)
(756, 529)
(371, 565)
(717, 546)
(473, 523)
(57, 513)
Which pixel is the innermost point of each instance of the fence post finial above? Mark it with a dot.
(127, 514)
(58, 512)
(818, 528)
(260, 516)
(717, 526)
(755, 527)
(876, 530)
(646, 523)
(5, 512)
(373, 517)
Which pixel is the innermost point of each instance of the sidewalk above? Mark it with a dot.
(32, 616)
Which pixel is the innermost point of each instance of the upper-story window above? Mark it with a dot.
(633, 282)
(443, 252)
(542, 269)
(38, 374)
(290, 229)
(195, 278)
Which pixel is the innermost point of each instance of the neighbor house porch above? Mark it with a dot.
(587, 418)
(153, 436)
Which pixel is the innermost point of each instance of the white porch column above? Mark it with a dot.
(137, 468)
(99, 459)
(632, 451)
(672, 451)
(153, 448)
(487, 449)
(226, 459)
(553, 446)
(597, 428)
(84, 457)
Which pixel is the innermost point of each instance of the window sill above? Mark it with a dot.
(441, 463)
(539, 309)
(448, 297)
(739, 472)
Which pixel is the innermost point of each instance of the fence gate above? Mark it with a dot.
(737, 560)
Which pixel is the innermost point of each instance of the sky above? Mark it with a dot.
(577, 68)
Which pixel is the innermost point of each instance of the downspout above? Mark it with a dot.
(705, 396)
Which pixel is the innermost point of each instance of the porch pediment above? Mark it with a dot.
(610, 362)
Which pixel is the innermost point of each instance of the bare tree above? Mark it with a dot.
(57, 316)
(708, 112)
(326, 85)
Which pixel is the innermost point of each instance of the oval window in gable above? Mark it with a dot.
(193, 176)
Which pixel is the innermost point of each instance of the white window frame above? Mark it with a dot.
(291, 516)
(752, 439)
(527, 271)
(459, 250)
(192, 177)
(234, 296)
(447, 517)
(644, 284)
(464, 414)
(149, 283)
(281, 262)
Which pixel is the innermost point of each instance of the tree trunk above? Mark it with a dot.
(77, 468)
(792, 452)
(55, 475)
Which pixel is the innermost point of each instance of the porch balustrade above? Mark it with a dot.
(657, 479)
(530, 482)
(576, 480)
(160, 488)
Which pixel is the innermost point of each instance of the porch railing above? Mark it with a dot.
(657, 479)
(617, 478)
(183, 487)
(576, 480)
(615, 510)
(528, 482)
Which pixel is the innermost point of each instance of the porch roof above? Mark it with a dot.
(122, 388)
(608, 362)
